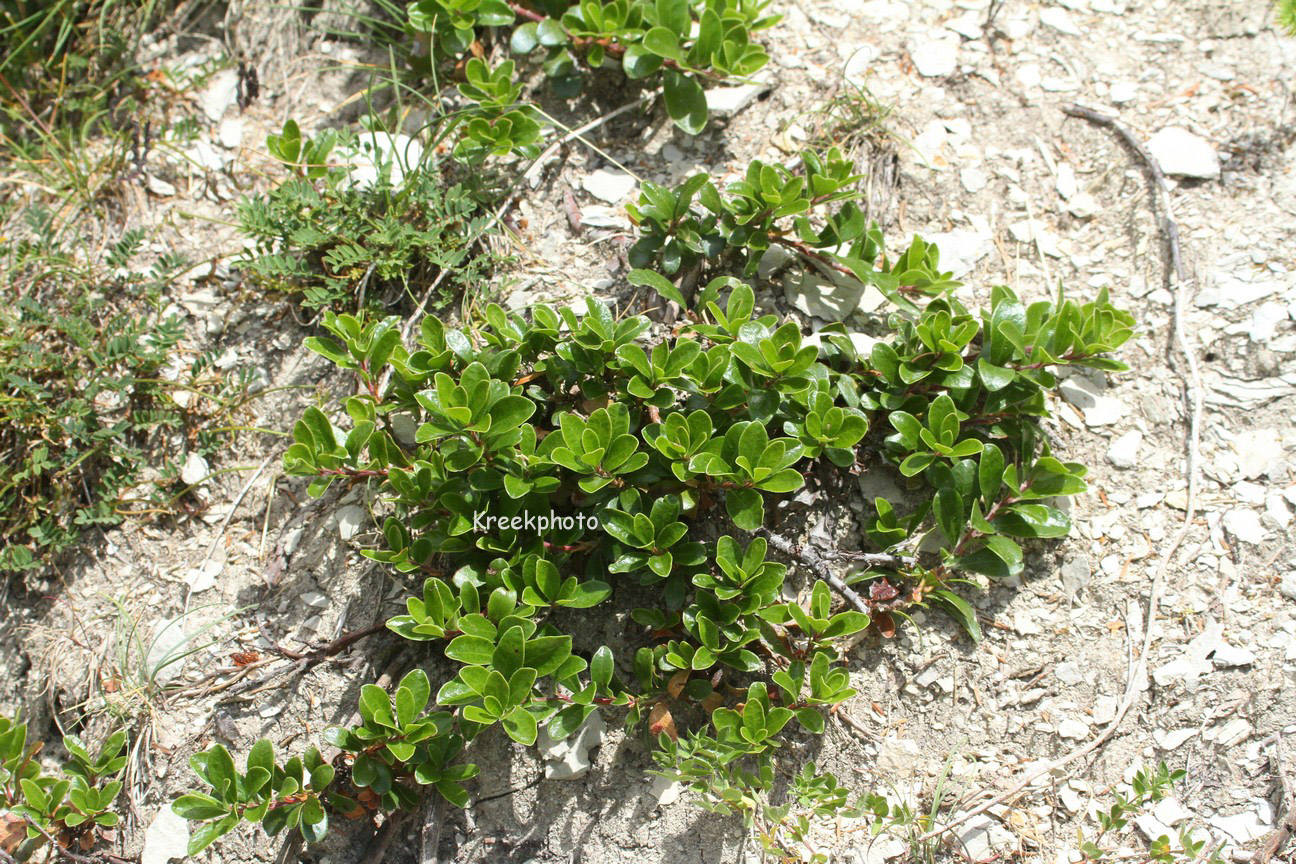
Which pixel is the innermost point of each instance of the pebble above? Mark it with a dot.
(169, 637)
(1229, 656)
(1098, 409)
(1287, 587)
(1172, 740)
(936, 56)
(609, 186)
(220, 94)
(980, 836)
(160, 187)
(1084, 206)
(1059, 19)
(195, 470)
(727, 101)
(1122, 92)
(167, 838)
(967, 25)
(1073, 729)
(203, 578)
(231, 132)
(1242, 827)
(961, 249)
(349, 519)
(1265, 320)
(1075, 576)
(973, 179)
(665, 790)
(1180, 153)
(896, 756)
(1245, 525)
(1123, 452)
(830, 300)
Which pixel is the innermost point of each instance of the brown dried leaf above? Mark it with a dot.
(660, 720)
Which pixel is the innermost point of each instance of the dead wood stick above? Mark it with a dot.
(815, 560)
(434, 814)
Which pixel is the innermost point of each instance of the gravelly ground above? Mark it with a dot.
(982, 159)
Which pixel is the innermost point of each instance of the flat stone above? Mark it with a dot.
(610, 186)
(961, 249)
(1097, 408)
(1180, 153)
(1287, 587)
(1075, 575)
(967, 25)
(349, 520)
(727, 101)
(1073, 729)
(160, 187)
(897, 756)
(1245, 525)
(166, 649)
(1230, 656)
(935, 56)
(220, 94)
(819, 297)
(1122, 92)
(195, 470)
(1059, 19)
(1123, 452)
(166, 839)
(1242, 827)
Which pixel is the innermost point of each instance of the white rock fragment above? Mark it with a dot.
(961, 249)
(1180, 153)
(1073, 729)
(1229, 656)
(569, 758)
(980, 837)
(830, 299)
(1242, 827)
(1066, 180)
(1098, 409)
(1123, 452)
(1265, 320)
(896, 756)
(1122, 92)
(967, 25)
(160, 187)
(1245, 525)
(220, 94)
(727, 101)
(973, 179)
(1033, 231)
(1083, 206)
(166, 839)
(1171, 812)
(165, 660)
(935, 56)
(609, 186)
(1173, 739)
(349, 520)
(665, 791)
(203, 578)
(195, 470)
(1059, 19)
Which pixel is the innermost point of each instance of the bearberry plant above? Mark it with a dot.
(71, 808)
(655, 459)
(681, 43)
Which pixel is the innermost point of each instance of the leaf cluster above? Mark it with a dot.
(71, 806)
(654, 458)
(678, 42)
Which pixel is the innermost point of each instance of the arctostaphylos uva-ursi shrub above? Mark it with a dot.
(656, 458)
